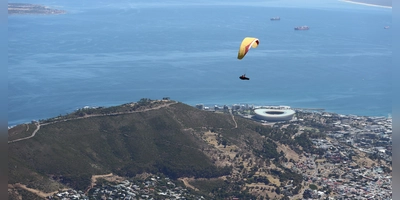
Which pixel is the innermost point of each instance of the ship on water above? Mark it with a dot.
(301, 28)
(275, 18)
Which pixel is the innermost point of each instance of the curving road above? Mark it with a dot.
(31, 136)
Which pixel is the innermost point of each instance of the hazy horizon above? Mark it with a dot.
(104, 54)
(376, 2)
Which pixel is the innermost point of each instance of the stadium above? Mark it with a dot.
(274, 114)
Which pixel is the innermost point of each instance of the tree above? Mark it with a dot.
(307, 194)
(285, 198)
(313, 187)
(144, 101)
(278, 190)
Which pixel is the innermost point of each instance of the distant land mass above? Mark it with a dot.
(374, 2)
(23, 8)
(217, 155)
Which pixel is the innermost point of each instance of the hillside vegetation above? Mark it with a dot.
(165, 137)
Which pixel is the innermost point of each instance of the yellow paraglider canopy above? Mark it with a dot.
(247, 43)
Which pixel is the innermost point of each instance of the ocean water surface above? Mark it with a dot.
(105, 53)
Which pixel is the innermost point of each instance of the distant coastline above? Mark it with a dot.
(85, 58)
(218, 107)
(367, 3)
(24, 8)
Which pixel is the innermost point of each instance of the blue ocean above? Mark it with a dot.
(105, 53)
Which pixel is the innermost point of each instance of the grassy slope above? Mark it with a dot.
(20, 131)
(152, 141)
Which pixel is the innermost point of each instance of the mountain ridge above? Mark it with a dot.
(149, 136)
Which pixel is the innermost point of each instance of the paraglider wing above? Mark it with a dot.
(247, 43)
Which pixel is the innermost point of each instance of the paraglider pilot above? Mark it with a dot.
(243, 77)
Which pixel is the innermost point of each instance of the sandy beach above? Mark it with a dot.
(366, 4)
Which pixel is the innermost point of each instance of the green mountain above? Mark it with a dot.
(223, 155)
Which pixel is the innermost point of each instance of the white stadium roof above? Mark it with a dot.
(274, 114)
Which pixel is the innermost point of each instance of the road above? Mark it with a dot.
(31, 136)
(187, 184)
(38, 125)
(34, 191)
(94, 179)
(233, 118)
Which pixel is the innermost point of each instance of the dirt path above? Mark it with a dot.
(33, 134)
(42, 194)
(88, 116)
(34, 191)
(122, 113)
(95, 177)
(233, 118)
(109, 177)
(187, 184)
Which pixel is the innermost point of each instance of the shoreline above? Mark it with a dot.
(294, 108)
(366, 4)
